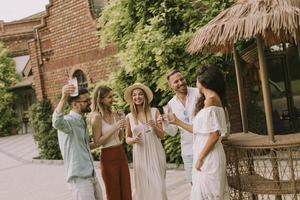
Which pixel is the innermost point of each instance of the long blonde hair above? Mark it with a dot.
(146, 107)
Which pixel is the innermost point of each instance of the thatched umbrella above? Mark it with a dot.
(274, 21)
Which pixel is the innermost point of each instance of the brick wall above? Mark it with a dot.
(94, 70)
(19, 26)
(18, 45)
(36, 70)
(233, 99)
(234, 110)
(67, 41)
(16, 35)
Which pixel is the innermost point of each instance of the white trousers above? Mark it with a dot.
(86, 189)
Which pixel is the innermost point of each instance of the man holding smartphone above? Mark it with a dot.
(73, 140)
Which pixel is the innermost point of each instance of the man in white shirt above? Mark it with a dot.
(182, 105)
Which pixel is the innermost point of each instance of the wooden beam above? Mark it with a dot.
(263, 73)
(241, 92)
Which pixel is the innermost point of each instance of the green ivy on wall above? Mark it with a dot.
(151, 37)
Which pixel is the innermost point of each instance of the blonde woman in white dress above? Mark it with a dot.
(209, 124)
(145, 134)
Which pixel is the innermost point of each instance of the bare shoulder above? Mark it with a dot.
(155, 109)
(213, 101)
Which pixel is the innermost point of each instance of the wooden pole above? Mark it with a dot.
(298, 45)
(241, 93)
(298, 42)
(263, 73)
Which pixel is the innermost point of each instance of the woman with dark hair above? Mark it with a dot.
(107, 132)
(209, 173)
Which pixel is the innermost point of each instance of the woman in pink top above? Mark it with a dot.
(107, 131)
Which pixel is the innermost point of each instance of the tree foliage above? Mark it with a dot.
(40, 118)
(151, 37)
(8, 77)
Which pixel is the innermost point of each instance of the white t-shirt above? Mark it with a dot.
(184, 113)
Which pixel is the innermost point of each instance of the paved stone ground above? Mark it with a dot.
(23, 179)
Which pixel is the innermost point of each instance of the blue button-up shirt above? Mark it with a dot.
(73, 140)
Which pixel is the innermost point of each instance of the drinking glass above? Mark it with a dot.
(146, 128)
(121, 116)
(74, 82)
(167, 112)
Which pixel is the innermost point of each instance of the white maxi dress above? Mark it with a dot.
(149, 163)
(210, 183)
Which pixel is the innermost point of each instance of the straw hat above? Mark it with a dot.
(128, 91)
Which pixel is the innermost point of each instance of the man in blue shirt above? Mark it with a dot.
(73, 140)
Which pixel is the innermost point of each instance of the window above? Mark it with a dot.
(96, 7)
(81, 78)
(284, 81)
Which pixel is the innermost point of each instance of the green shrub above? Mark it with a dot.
(40, 118)
(8, 117)
(8, 77)
(96, 154)
(128, 151)
(173, 149)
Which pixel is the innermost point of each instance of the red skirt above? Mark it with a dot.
(115, 173)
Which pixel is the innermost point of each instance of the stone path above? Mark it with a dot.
(24, 179)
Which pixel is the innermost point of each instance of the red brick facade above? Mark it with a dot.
(15, 35)
(67, 41)
(234, 111)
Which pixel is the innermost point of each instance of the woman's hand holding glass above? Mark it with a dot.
(172, 119)
(151, 123)
(121, 121)
(121, 124)
(137, 138)
(160, 119)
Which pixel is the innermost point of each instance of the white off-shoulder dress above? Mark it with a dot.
(210, 183)
(149, 163)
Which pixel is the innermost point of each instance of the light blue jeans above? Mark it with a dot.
(188, 166)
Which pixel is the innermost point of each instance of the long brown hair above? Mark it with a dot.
(99, 93)
(146, 107)
(211, 78)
